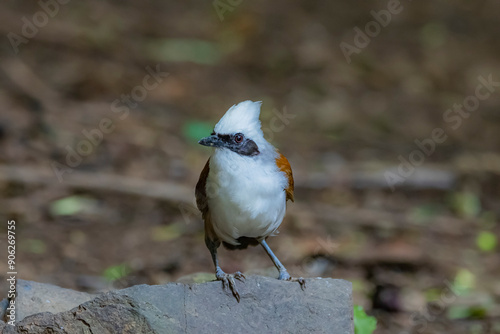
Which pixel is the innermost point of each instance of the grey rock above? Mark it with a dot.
(267, 305)
(107, 313)
(33, 297)
(3, 308)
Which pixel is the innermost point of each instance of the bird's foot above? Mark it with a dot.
(285, 276)
(228, 281)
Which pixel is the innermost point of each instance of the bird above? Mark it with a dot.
(243, 189)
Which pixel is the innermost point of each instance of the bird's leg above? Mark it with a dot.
(284, 275)
(227, 279)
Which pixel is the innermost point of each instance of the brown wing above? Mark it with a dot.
(201, 192)
(202, 204)
(284, 166)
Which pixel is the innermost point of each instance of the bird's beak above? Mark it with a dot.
(212, 141)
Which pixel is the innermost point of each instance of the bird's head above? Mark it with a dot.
(239, 130)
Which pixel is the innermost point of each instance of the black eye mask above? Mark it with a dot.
(247, 147)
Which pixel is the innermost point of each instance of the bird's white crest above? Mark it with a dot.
(243, 118)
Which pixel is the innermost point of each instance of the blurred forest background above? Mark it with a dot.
(99, 158)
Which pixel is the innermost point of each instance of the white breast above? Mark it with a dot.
(246, 195)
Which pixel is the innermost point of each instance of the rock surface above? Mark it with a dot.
(34, 297)
(267, 305)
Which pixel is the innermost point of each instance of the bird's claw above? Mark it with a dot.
(239, 276)
(301, 281)
(229, 283)
(284, 276)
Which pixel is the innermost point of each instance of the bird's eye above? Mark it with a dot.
(238, 138)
